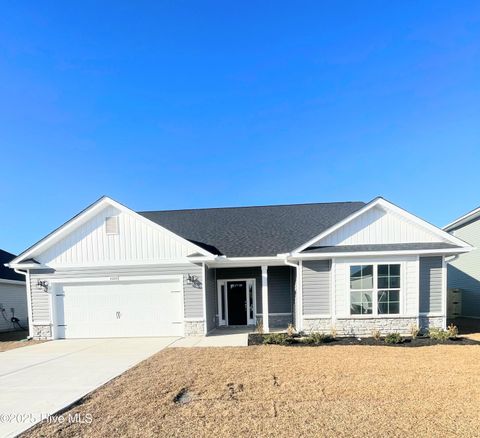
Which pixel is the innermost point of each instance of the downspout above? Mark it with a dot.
(29, 301)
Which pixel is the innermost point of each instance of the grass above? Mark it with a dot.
(276, 391)
(17, 339)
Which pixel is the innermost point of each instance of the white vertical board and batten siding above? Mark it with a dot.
(378, 226)
(136, 241)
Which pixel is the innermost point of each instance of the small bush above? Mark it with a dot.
(376, 334)
(438, 334)
(333, 332)
(452, 331)
(393, 338)
(277, 339)
(290, 330)
(317, 338)
(414, 331)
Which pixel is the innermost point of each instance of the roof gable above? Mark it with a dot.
(381, 222)
(463, 220)
(83, 240)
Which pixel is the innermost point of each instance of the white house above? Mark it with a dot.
(355, 267)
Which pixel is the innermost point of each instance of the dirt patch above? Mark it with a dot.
(421, 341)
(17, 339)
(276, 391)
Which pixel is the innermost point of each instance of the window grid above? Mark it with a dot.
(384, 295)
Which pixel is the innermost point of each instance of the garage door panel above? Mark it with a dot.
(126, 309)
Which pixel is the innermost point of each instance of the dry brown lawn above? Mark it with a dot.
(274, 391)
(11, 340)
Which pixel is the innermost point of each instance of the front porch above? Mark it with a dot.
(247, 298)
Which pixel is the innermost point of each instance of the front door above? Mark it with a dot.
(237, 302)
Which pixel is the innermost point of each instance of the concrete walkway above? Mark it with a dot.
(39, 380)
(220, 337)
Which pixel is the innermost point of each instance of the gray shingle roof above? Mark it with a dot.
(253, 231)
(381, 247)
(8, 273)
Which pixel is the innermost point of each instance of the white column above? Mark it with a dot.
(266, 327)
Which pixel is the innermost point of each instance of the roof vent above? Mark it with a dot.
(111, 225)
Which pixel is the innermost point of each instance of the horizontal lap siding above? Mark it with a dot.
(430, 284)
(193, 296)
(316, 287)
(279, 289)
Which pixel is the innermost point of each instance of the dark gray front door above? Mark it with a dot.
(237, 302)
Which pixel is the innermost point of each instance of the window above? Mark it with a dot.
(361, 289)
(375, 289)
(111, 225)
(388, 289)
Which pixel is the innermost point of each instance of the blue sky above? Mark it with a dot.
(175, 104)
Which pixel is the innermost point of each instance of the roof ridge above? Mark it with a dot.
(252, 206)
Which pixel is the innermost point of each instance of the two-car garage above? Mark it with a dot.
(124, 307)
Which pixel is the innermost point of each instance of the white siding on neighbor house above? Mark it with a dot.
(137, 241)
(464, 272)
(409, 282)
(13, 296)
(377, 226)
(193, 295)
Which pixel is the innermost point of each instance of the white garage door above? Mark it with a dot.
(120, 309)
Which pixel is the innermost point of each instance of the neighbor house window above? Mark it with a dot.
(375, 289)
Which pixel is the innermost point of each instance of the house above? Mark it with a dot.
(13, 296)
(351, 266)
(464, 269)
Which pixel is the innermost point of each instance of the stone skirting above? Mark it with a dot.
(427, 322)
(323, 325)
(42, 332)
(364, 327)
(194, 328)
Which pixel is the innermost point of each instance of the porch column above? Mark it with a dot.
(266, 327)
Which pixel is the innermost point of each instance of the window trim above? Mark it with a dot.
(375, 290)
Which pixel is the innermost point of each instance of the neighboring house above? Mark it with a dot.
(112, 272)
(464, 270)
(13, 296)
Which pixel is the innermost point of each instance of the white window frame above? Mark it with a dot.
(249, 281)
(375, 290)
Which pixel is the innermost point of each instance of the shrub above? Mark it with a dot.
(317, 338)
(275, 339)
(438, 334)
(376, 334)
(414, 330)
(393, 338)
(452, 331)
(290, 330)
(333, 332)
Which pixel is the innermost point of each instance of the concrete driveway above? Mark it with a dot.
(39, 380)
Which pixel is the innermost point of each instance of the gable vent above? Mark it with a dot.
(111, 225)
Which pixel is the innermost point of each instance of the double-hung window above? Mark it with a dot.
(375, 289)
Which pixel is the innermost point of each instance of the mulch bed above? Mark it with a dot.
(420, 341)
